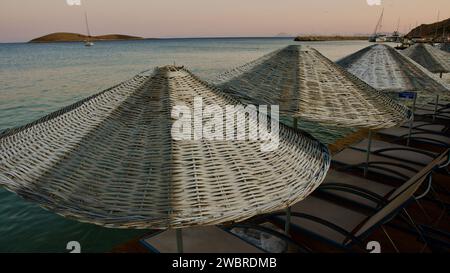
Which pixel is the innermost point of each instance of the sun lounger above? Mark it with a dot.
(394, 168)
(208, 239)
(401, 134)
(212, 239)
(396, 151)
(342, 227)
(364, 193)
(346, 186)
(393, 161)
(441, 105)
(428, 127)
(336, 177)
(444, 115)
(432, 107)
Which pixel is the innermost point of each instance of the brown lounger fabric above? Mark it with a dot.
(403, 132)
(201, 240)
(336, 214)
(355, 157)
(426, 126)
(336, 177)
(411, 155)
(425, 112)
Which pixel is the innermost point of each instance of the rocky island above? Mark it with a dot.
(75, 37)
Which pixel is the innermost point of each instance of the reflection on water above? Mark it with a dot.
(37, 79)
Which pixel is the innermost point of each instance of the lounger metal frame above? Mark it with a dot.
(383, 151)
(352, 240)
(262, 229)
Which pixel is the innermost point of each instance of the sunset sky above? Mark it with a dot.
(22, 20)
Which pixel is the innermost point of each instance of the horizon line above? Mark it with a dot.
(194, 37)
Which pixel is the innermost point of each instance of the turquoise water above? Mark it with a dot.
(36, 79)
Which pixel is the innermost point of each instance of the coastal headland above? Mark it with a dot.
(75, 37)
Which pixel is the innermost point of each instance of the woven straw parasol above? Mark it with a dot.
(384, 68)
(433, 59)
(111, 160)
(309, 86)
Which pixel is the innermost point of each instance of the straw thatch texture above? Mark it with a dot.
(110, 160)
(433, 59)
(384, 68)
(309, 86)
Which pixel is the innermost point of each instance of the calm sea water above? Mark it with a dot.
(36, 79)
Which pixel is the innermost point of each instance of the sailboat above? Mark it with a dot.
(395, 37)
(88, 41)
(375, 36)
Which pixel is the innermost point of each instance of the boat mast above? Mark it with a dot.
(378, 26)
(87, 25)
(437, 25)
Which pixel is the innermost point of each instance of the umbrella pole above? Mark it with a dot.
(287, 223)
(436, 108)
(437, 103)
(179, 240)
(369, 148)
(408, 141)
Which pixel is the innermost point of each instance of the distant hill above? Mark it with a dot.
(429, 30)
(75, 37)
(329, 38)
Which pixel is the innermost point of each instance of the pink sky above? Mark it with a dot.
(22, 20)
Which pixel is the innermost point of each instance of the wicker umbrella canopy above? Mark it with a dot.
(384, 68)
(433, 59)
(111, 160)
(309, 86)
